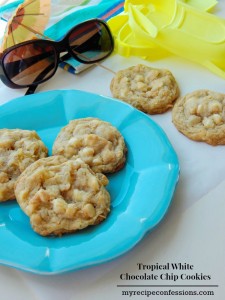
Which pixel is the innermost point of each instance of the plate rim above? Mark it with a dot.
(176, 169)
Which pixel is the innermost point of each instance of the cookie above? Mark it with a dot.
(18, 149)
(62, 196)
(96, 142)
(200, 116)
(150, 90)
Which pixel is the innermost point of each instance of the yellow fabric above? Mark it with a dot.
(155, 28)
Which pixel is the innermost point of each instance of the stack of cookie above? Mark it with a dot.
(200, 115)
(64, 192)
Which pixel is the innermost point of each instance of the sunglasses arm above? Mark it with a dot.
(31, 89)
(39, 78)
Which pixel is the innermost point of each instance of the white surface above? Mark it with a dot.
(193, 230)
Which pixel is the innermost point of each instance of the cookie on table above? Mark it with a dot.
(62, 196)
(200, 116)
(18, 149)
(96, 142)
(150, 90)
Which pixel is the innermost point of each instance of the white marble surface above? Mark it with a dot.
(192, 231)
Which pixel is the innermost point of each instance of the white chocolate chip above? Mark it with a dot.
(208, 123)
(124, 80)
(215, 107)
(217, 118)
(141, 86)
(89, 210)
(124, 92)
(194, 120)
(139, 77)
(191, 106)
(87, 151)
(93, 182)
(202, 110)
(75, 142)
(71, 210)
(78, 195)
(59, 206)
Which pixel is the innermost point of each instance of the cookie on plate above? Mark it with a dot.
(150, 90)
(96, 142)
(62, 196)
(200, 115)
(18, 149)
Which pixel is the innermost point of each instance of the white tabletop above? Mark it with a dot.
(192, 232)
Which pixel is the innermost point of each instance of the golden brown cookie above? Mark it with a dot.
(150, 90)
(62, 196)
(200, 116)
(18, 149)
(96, 142)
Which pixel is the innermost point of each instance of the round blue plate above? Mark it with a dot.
(140, 193)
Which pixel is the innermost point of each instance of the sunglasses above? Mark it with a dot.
(32, 62)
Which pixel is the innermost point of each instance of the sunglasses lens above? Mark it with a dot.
(31, 63)
(91, 41)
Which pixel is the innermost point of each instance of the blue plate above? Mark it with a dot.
(140, 193)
